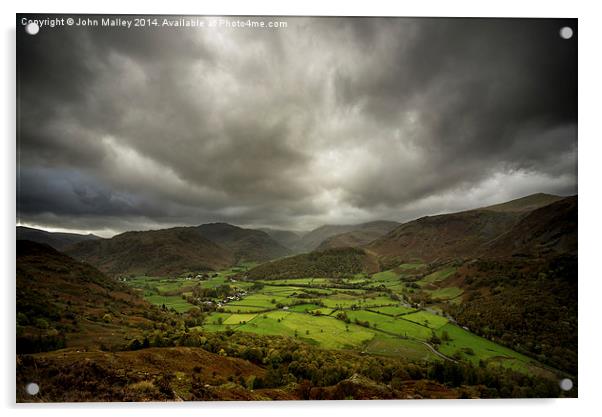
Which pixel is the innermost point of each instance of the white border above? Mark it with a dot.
(590, 68)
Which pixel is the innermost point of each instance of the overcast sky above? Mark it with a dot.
(327, 121)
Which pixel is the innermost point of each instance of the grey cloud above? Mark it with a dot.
(330, 120)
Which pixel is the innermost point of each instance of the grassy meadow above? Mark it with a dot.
(375, 314)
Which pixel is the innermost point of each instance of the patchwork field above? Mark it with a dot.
(394, 326)
(231, 308)
(424, 318)
(462, 344)
(170, 301)
(327, 332)
(386, 345)
(374, 314)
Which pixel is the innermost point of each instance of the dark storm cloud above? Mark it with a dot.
(329, 120)
(484, 93)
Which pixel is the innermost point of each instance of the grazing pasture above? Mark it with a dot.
(373, 314)
(395, 326)
(446, 293)
(461, 344)
(394, 310)
(427, 319)
(437, 276)
(172, 301)
(324, 331)
(383, 344)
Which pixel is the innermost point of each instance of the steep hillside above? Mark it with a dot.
(154, 252)
(455, 235)
(330, 263)
(366, 233)
(448, 236)
(519, 288)
(313, 239)
(548, 230)
(254, 368)
(58, 241)
(75, 334)
(62, 302)
(245, 244)
(529, 305)
(140, 375)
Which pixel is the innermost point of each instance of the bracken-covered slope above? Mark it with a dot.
(520, 288)
(447, 236)
(140, 375)
(456, 235)
(330, 263)
(154, 252)
(245, 244)
(549, 230)
(202, 374)
(58, 241)
(74, 332)
(63, 302)
(529, 305)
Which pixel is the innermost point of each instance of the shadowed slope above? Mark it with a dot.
(245, 244)
(155, 252)
(456, 235)
(58, 241)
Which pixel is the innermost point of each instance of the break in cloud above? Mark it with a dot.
(330, 120)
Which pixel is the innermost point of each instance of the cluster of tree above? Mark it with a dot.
(418, 297)
(339, 283)
(530, 307)
(55, 294)
(308, 293)
(331, 263)
(41, 325)
(88, 381)
(40, 341)
(221, 291)
(194, 317)
(288, 360)
(257, 286)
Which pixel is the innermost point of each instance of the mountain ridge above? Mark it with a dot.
(245, 244)
(456, 235)
(155, 252)
(57, 240)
